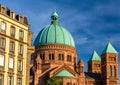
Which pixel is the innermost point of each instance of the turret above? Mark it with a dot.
(38, 69)
(80, 66)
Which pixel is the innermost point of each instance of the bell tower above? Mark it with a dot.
(109, 64)
(94, 63)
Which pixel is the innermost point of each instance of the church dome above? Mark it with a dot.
(54, 34)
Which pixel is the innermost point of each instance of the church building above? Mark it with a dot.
(56, 57)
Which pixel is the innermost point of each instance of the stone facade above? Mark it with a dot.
(46, 67)
(15, 48)
(54, 57)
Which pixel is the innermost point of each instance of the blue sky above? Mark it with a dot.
(91, 22)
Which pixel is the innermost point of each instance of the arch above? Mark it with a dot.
(111, 71)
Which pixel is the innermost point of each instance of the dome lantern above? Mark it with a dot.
(54, 18)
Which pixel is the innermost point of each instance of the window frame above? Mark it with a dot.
(20, 65)
(21, 35)
(19, 80)
(20, 49)
(2, 79)
(10, 80)
(12, 31)
(12, 46)
(2, 43)
(10, 63)
(2, 63)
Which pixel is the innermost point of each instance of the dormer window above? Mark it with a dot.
(12, 15)
(21, 19)
(3, 10)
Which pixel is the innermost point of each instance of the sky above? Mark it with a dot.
(92, 23)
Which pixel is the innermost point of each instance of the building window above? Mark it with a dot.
(12, 46)
(21, 35)
(3, 27)
(114, 71)
(3, 10)
(12, 15)
(69, 58)
(19, 65)
(11, 61)
(51, 56)
(20, 49)
(1, 79)
(10, 80)
(110, 70)
(61, 57)
(12, 31)
(19, 81)
(2, 43)
(69, 83)
(21, 19)
(42, 56)
(1, 60)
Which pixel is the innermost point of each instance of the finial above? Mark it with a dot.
(55, 13)
(108, 39)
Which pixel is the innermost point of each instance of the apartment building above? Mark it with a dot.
(15, 47)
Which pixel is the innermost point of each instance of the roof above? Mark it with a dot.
(64, 73)
(109, 49)
(54, 34)
(96, 76)
(95, 56)
(55, 14)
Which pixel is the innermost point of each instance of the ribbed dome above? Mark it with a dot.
(54, 34)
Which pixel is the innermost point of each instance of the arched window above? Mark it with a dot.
(110, 70)
(69, 58)
(42, 56)
(51, 56)
(60, 56)
(114, 71)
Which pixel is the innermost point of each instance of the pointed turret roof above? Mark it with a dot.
(55, 14)
(64, 73)
(109, 49)
(95, 56)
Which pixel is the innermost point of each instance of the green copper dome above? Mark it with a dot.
(54, 34)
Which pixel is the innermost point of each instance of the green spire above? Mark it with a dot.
(54, 18)
(95, 56)
(109, 49)
(64, 73)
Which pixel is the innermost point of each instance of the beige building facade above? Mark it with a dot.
(15, 47)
